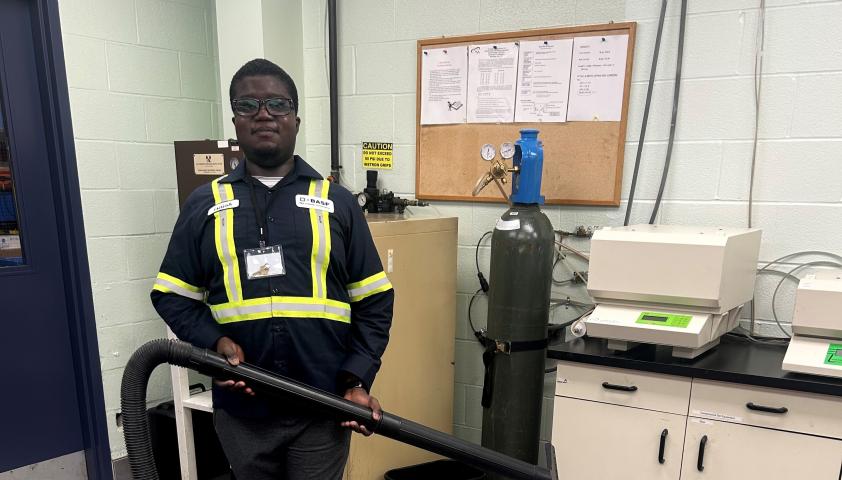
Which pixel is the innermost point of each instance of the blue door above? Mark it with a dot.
(51, 399)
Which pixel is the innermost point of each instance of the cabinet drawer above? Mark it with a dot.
(663, 393)
(804, 412)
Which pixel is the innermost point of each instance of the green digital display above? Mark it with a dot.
(834, 354)
(664, 319)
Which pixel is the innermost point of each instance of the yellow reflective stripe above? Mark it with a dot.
(288, 300)
(179, 282)
(382, 288)
(369, 286)
(320, 227)
(326, 230)
(366, 281)
(314, 228)
(282, 314)
(238, 288)
(168, 284)
(267, 307)
(226, 250)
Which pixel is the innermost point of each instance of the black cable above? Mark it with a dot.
(646, 110)
(477, 333)
(775, 341)
(559, 259)
(483, 283)
(674, 111)
(555, 329)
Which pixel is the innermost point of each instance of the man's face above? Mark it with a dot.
(268, 140)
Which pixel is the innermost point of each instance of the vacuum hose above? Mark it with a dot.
(174, 352)
(133, 400)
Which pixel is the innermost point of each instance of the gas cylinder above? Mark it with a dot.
(522, 250)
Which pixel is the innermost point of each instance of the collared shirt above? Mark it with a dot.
(330, 312)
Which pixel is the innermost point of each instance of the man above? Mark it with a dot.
(273, 265)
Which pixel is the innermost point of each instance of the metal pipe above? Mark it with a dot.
(335, 167)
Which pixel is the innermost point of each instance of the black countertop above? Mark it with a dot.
(733, 360)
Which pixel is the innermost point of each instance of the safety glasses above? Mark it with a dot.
(248, 107)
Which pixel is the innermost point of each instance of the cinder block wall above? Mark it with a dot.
(798, 184)
(142, 73)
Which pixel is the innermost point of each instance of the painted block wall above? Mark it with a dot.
(141, 73)
(798, 184)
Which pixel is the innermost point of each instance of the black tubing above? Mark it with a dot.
(640, 140)
(133, 401)
(676, 91)
(148, 356)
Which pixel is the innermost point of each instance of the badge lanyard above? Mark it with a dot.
(264, 261)
(259, 214)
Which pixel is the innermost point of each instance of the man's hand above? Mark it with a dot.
(359, 396)
(234, 354)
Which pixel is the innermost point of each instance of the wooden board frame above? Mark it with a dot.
(583, 161)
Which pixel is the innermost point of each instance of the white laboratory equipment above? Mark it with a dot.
(679, 286)
(816, 345)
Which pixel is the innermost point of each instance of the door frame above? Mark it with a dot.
(52, 81)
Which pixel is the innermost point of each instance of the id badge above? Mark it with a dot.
(264, 262)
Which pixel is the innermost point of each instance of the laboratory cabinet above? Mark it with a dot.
(717, 450)
(416, 378)
(620, 423)
(599, 441)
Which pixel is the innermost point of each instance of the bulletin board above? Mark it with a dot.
(583, 160)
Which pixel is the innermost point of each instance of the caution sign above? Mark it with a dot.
(377, 155)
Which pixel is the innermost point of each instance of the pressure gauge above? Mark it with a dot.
(507, 150)
(488, 153)
(362, 199)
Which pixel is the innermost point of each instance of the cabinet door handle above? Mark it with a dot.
(622, 388)
(762, 408)
(701, 464)
(661, 458)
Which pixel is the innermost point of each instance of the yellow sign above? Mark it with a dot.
(377, 155)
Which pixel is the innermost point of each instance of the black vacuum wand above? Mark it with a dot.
(156, 352)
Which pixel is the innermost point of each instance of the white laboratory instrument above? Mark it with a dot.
(669, 285)
(816, 345)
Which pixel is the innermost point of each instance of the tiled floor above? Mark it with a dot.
(122, 472)
(67, 467)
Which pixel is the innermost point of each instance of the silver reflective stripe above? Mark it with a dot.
(178, 290)
(319, 265)
(361, 291)
(345, 312)
(244, 310)
(264, 310)
(229, 256)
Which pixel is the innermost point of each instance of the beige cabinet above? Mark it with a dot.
(416, 379)
(600, 441)
(606, 423)
(716, 450)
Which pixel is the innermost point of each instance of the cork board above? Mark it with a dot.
(583, 161)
